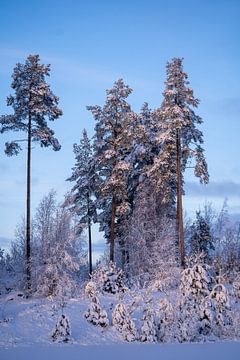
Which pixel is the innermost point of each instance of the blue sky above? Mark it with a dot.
(90, 44)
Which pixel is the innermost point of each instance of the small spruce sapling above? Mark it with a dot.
(95, 314)
(62, 331)
(222, 318)
(90, 289)
(113, 280)
(193, 317)
(165, 320)
(148, 328)
(123, 322)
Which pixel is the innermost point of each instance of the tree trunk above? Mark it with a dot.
(112, 233)
(177, 244)
(28, 225)
(179, 219)
(89, 238)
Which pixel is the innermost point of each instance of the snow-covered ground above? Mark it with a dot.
(26, 326)
(29, 322)
(207, 351)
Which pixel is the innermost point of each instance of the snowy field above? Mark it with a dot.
(26, 327)
(207, 351)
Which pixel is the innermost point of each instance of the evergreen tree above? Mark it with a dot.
(201, 240)
(148, 328)
(95, 314)
(180, 141)
(143, 150)
(165, 320)
(222, 312)
(112, 147)
(62, 329)
(81, 199)
(33, 104)
(113, 280)
(123, 322)
(194, 318)
(90, 289)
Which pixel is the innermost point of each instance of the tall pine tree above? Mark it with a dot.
(180, 141)
(112, 145)
(33, 103)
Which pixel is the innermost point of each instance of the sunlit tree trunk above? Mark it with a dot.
(179, 215)
(89, 238)
(28, 224)
(112, 233)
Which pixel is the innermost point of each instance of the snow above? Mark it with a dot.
(219, 351)
(26, 326)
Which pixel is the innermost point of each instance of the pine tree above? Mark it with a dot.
(81, 199)
(143, 150)
(33, 104)
(180, 141)
(112, 146)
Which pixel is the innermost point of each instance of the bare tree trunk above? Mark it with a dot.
(112, 233)
(89, 238)
(177, 245)
(179, 220)
(28, 225)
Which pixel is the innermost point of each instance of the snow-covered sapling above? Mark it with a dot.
(113, 279)
(91, 289)
(95, 314)
(148, 328)
(123, 322)
(165, 317)
(62, 329)
(192, 314)
(222, 310)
